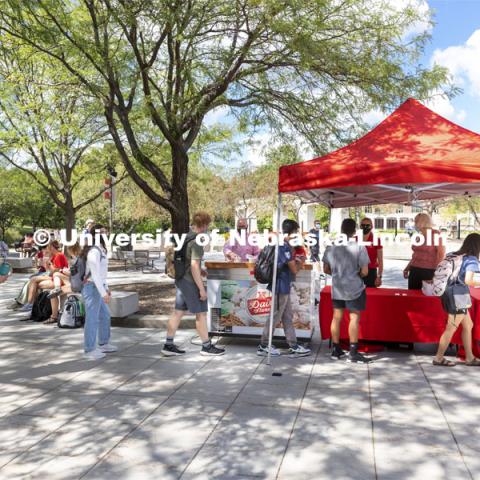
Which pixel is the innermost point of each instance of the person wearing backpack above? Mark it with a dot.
(287, 267)
(470, 250)
(96, 296)
(190, 292)
(348, 266)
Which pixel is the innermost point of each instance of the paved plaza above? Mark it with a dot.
(136, 415)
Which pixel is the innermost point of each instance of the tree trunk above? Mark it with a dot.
(473, 212)
(69, 217)
(180, 214)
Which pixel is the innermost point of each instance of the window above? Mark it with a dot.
(391, 223)
(368, 209)
(399, 209)
(417, 209)
(379, 224)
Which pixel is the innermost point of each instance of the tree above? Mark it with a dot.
(9, 210)
(25, 206)
(47, 128)
(310, 67)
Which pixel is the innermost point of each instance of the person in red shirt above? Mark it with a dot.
(375, 253)
(58, 261)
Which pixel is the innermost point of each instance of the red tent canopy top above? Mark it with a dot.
(414, 154)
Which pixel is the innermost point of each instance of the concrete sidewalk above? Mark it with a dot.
(136, 415)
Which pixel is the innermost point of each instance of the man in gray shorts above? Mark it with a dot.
(191, 294)
(347, 264)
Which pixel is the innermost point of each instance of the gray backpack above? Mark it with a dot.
(78, 272)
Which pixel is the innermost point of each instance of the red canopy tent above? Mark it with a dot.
(414, 154)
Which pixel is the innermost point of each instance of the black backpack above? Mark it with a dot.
(264, 267)
(180, 256)
(42, 308)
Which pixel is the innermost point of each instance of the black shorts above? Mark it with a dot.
(357, 305)
(369, 280)
(417, 275)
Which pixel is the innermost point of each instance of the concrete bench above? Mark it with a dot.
(18, 263)
(123, 304)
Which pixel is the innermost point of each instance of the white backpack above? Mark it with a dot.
(448, 268)
(73, 315)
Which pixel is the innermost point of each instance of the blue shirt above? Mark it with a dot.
(284, 275)
(469, 264)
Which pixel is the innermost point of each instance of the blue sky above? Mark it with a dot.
(456, 23)
(454, 43)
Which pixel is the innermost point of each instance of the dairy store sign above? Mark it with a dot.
(244, 303)
(258, 303)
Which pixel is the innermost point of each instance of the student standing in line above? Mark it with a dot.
(191, 294)
(287, 267)
(96, 296)
(375, 253)
(348, 265)
(470, 250)
(315, 249)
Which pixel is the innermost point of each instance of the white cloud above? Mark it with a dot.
(463, 61)
(443, 106)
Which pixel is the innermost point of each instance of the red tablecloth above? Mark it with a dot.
(395, 315)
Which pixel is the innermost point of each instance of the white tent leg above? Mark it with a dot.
(274, 280)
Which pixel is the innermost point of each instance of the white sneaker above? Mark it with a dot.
(263, 351)
(299, 351)
(108, 348)
(94, 355)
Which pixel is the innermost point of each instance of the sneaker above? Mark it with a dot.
(171, 350)
(263, 351)
(27, 307)
(212, 350)
(299, 351)
(337, 353)
(357, 357)
(94, 355)
(108, 348)
(56, 292)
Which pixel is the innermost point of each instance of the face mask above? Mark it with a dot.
(317, 226)
(366, 228)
